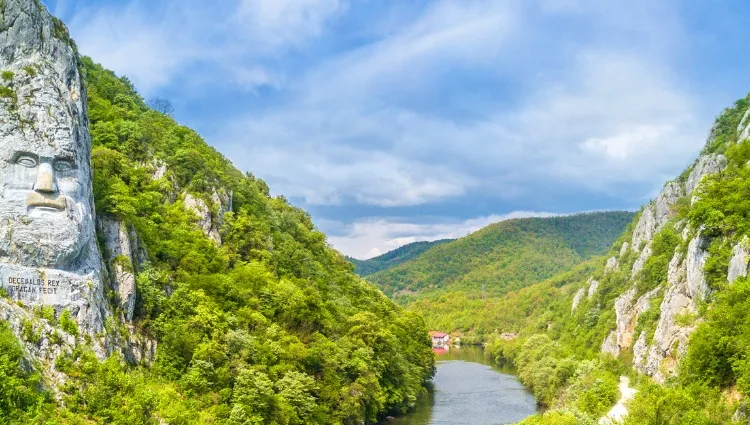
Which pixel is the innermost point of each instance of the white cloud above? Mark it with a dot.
(150, 52)
(371, 237)
(274, 24)
(608, 120)
(468, 97)
(153, 44)
(329, 175)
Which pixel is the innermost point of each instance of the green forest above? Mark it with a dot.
(457, 285)
(558, 352)
(270, 327)
(393, 258)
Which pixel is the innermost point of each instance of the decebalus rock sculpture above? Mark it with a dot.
(48, 249)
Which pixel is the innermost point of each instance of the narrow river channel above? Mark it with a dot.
(470, 390)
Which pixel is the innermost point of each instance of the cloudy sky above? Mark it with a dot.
(400, 120)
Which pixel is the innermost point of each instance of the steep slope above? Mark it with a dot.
(669, 303)
(393, 258)
(208, 300)
(506, 255)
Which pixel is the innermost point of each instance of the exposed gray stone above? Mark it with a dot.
(160, 170)
(641, 261)
(624, 249)
(640, 350)
(48, 250)
(138, 348)
(696, 260)
(577, 299)
(679, 300)
(209, 220)
(123, 257)
(611, 265)
(593, 287)
(743, 129)
(706, 165)
(739, 262)
(609, 345)
(656, 214)
(627, 310)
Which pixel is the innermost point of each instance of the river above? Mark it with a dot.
(468, 389)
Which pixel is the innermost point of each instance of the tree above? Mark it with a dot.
(161, 105)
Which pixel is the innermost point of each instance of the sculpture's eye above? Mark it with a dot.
(26, 161)
(63, 166)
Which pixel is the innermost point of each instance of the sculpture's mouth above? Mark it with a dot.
(37, 200)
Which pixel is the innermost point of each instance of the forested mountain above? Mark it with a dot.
(241, 312)
(393, 258)
(669, 307)
(507, 255)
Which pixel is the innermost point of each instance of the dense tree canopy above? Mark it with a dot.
(270, 327)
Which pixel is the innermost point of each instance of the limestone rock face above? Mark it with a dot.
(739, 262)
(686, 285)
(48, 250)
(611, 264)
(696, 259)
(744, 127)
(656, 214)
(577, 299)
(627, 310)
(641, 261)
(707, 164)
(610, 344)
(42, 348)
(209, 220)
(640, 350)
(124, 255)
(593, 287)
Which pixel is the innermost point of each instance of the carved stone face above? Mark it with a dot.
(46, 215)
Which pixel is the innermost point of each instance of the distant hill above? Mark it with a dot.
(505, 256)
(393, 258)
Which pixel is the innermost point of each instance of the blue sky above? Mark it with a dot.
(396, 121)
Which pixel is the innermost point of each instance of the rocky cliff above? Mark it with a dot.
(659, 305)
(51, 264)
(144, 279)
(49, 256)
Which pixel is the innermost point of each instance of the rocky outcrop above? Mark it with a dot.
(48, 250)
(738, 264)
(686, 286)
(656, 214)
(640, 350)
(593, 287)
(160, 170)
(641, 261)
(577, 299)
(706, 164)
(123, 254)
(611, 265)
(42, 342)
(210, 218)
(743, 129)
(627, 311)
(695, 261)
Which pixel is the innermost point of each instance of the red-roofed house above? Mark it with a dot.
(440, 339)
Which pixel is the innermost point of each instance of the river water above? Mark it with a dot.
(470, 390)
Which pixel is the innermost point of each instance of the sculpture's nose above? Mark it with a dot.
(45, 179)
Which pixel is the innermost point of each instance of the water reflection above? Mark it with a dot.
(469, 390)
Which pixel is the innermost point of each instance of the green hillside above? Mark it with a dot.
(505, 256)
(270, 327)
(393, 258)
(558, 351)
